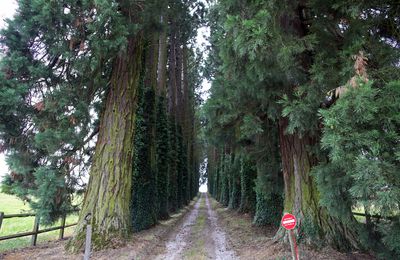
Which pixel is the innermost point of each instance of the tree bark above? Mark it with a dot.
(268, 183)
(173, 168)
(314, 224)
(162, 61)
(109, 189)
(186, 124)
(179, 96)
(234, 198)
(248, 175)
(172, 74)
(163, 151)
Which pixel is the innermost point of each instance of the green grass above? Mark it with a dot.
(12, 205)
(197, 250)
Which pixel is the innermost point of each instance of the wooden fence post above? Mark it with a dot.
(61, 235)
(1, 218)
(35, 230)
(88, 237)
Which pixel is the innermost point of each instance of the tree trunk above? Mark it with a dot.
(144, 188)
(186, 124)
(268, 183)
(178, 112)
(144, 202)
(314, 224)
(109, 189)
(179, 96)
(172, 167)
(162, 61)
(224, 180)
(173, 164)
(163, 151)
(172, 74)
(248, 175)
(234, 198)
(181, 159)
(162, 128)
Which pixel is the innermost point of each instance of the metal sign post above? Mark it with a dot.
(88, 237)
(289, 223)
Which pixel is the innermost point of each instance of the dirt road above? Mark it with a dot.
(200, 230)
(199, 236)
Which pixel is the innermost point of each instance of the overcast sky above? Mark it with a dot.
(7, 10)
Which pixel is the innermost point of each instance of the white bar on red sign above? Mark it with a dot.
(288, 221)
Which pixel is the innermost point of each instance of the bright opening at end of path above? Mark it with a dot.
(203, 188)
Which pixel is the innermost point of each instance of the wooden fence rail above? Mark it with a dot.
(36, 231)
(373, 216)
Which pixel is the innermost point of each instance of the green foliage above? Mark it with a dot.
(56, 70)
(172, 167)
(51, 188)
(54, 75)
(144, 183)
(278, 60)
(268, 188)
(162, 153)
(391, 238)
(224, 180)
(248, 175)
(361, 133)
(234, 183)
(180, 167)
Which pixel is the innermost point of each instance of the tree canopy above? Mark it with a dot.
(101, 98)
(308, 91)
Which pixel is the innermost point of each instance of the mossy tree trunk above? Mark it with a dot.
(248, 175)
(162, 59)
(268, 183)
(218, 174)
(162, 136)
(172, 167)
(216, 182)
(224, 172)
(163, 150)
(302, 197)
(109, 189)
(187, 126)
(144, 186)
(180, 167)
(145, 203)
(234, 198)
(173, 129)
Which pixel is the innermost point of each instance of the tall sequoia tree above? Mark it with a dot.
(90, 53)
(145, 199)
(109, 189)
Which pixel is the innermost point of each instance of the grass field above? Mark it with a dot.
(12, 205)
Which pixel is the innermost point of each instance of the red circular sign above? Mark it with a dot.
(288, 221)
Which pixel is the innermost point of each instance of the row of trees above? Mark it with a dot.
(106, 87)
(303, 117)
